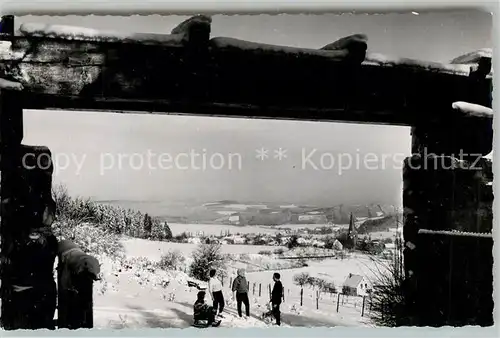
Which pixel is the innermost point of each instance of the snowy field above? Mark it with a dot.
(218, 229)
(134, 297)
(153, 250)
(332, 270)
(309, 226)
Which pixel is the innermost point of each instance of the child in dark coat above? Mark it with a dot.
(203, 311)
(276, 298)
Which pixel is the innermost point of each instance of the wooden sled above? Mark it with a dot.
(203, 323)
(268, 317)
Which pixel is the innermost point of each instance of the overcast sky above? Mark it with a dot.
(101, 138)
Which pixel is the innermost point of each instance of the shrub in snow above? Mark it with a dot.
(259, 240)
(279, 251)
(303, 262)
(329, 242)
(245, 257)
(301, 279)
(265, 252)
(389, 305)
(172, 260)
(206, 257)
(181, 238)
(330, 287)
(142, 263)
(319, 283)
(91, 239)
(293, 242)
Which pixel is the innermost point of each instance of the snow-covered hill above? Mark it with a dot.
(134, 294)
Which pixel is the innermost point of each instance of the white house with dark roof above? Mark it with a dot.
(356, 285)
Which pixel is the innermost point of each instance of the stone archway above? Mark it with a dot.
(448, 107)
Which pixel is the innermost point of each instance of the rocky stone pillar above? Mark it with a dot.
(29, 247)
(446, 186)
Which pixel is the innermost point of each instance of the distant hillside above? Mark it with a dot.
(255, 212)
(278, 214)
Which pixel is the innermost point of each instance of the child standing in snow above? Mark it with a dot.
(276, 296)
(215, 290)
(240, 286)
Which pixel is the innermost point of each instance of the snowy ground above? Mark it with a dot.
(134, 297)
(155, 249)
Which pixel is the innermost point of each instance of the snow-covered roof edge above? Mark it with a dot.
(455, 233)
(90, 34)
(460, 65)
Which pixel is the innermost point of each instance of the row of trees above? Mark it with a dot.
(111, 218)
(304, 279)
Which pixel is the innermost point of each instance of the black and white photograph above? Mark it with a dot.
(246, 171)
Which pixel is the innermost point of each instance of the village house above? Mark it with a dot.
(337, 245)
(356, 285)
(194, 240)
(238, 240)
(318, 244)
(303, 241)
(234, 219)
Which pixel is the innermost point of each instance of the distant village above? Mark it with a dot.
(357, 235)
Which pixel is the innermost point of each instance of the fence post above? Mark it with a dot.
(338, 301)
(253, 289)
(230, 282)
(301, 295)
(363, 308)
(317, 300)
(269, 285)
(260, 289)
(283, 294)
(76, 275)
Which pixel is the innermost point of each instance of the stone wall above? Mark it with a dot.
(443, 193)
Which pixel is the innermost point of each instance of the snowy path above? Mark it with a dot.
(147, 309)
(128, 304)
(172, 315)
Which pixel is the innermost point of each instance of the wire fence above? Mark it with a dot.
(312, 298)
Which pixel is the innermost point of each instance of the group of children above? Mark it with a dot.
(213, 314)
